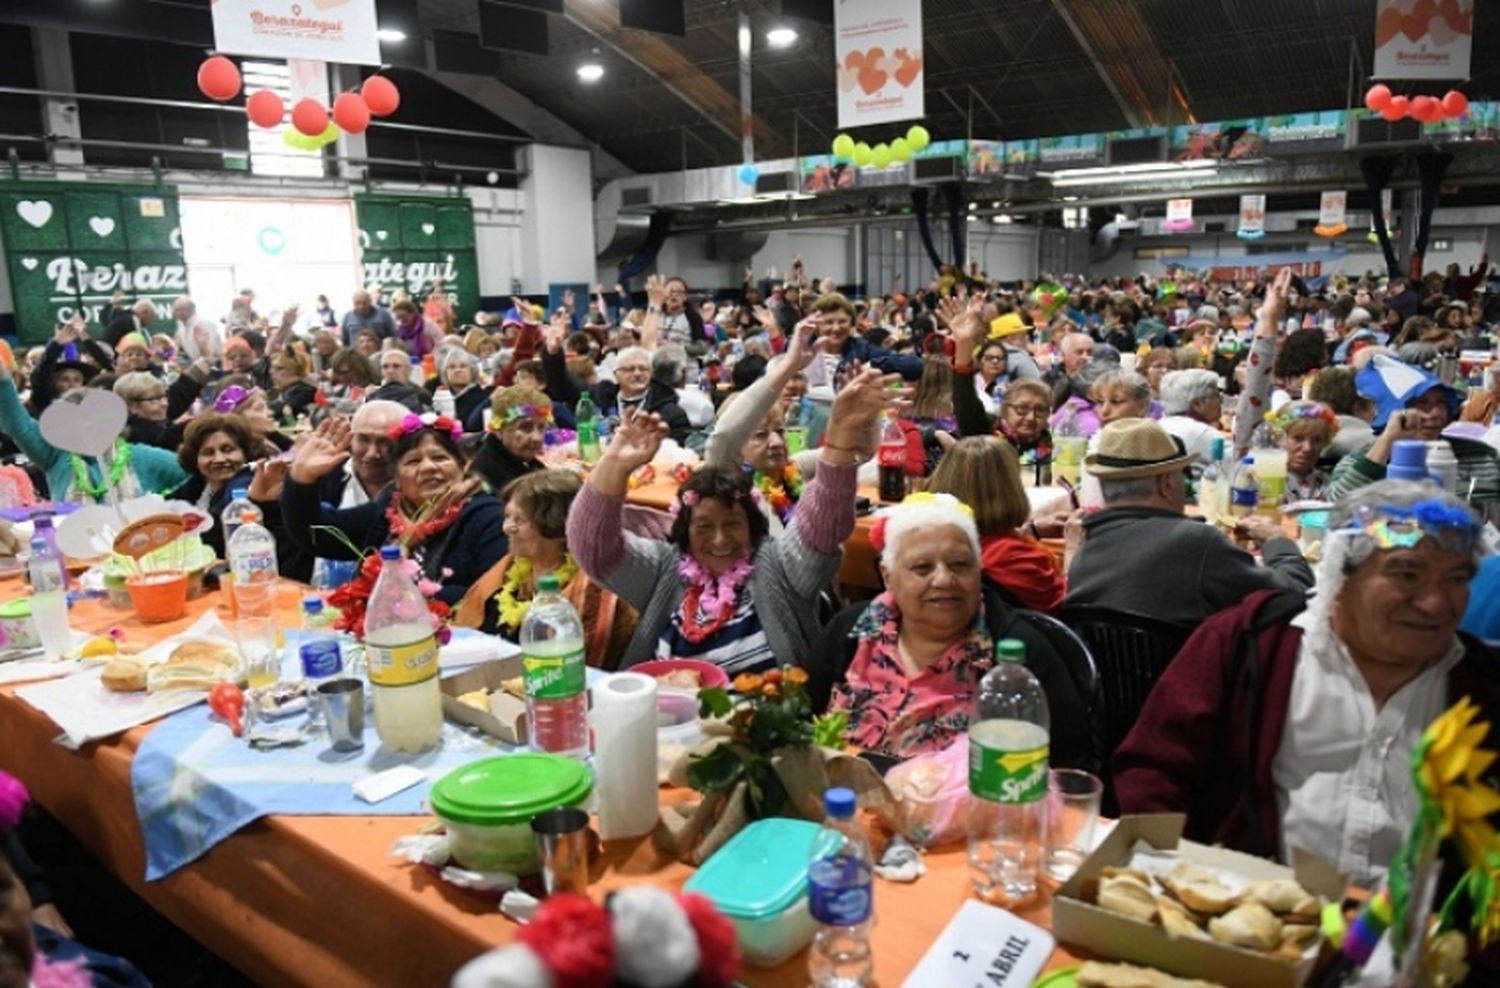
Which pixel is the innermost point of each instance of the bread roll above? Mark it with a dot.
(1199, 889)
(124, 674)
(1250, 925)
(1128, 897)
(1093, 974)
(195, 652)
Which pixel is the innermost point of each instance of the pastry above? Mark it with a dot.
(1199, 889)
(681, 679)
(124, 674)
(478, 699)
(1250, 925)
(1176, 920)
(200, 651)
(515, 687)
(1284, 897)
(194, 665)
(1111, 872)
(1297, 937)
(1093, 974)
(1128, 897)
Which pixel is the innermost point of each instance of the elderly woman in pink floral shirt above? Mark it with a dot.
(905, 666)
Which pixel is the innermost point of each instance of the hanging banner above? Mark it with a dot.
(1252, 217)
(1179, 215)
(328, 30)
(878, 52)
(1423, 40)
(1331, 214)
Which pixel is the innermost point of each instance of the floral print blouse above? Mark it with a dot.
(895, 714)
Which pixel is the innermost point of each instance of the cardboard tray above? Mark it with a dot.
(506, 718)
(1115, 937)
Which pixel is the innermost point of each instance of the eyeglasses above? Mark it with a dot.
(633, 369)
(993, 358)
(1033, 411)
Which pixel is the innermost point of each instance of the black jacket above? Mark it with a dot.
(1072, 744)
(498, 466)
(563, 388)
(166, 434)
(293, 401)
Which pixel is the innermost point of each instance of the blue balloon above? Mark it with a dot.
(749, 173)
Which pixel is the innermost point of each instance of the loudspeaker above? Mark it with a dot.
(512, 28)
(457, 51)
(657, 16)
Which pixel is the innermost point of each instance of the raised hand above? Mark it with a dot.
(556, 331)
(323, 452)
(966, 319)
(637, 439)
(767, 320)
(656, 291)
(1268, 321)
(859, 401)
(269, 477)
(803, 346)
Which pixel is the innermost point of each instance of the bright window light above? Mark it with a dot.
(390, 35)
(269, 154)
(781, 37)
(591, 72)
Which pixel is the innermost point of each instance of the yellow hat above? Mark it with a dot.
(1007, 325)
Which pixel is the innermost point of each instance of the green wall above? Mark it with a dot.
(410, 241)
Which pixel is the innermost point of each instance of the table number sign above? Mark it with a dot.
(984, 947)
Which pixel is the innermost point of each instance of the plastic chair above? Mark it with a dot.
(1082, 668)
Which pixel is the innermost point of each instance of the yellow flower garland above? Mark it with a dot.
(518, 579)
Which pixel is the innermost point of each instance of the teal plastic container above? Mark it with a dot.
(759, 880)
(1311, 527)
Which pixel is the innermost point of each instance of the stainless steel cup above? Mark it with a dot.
(343, 703)
(562, 843)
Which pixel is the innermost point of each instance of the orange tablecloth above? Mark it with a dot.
(318, 901)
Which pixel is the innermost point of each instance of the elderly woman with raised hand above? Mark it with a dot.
(1193, 405)
(536, 518)
(1025, 406)
(130, 469)
(519, 418)
(722, 588)
(983, 471)
(905, 666)
(453, 533)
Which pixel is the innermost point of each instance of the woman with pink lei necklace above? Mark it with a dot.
(722, 589)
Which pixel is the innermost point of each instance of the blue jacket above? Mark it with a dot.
(858, 348)
(156, 470)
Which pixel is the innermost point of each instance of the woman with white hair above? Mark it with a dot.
(458, 371)
(1193, 405)
(904, 667)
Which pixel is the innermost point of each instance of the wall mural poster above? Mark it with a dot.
(1230, 140)
(70, 248)
(1074, 150)
(1319, 130)
(1420, 39)
(878, 61)
(411, 242)
(826, 173)
(327, 30)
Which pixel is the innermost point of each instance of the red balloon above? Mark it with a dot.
(1455, 103)
(309, 117)
(351, 113)
(218, 78)
(381, 95)
(1425, 109)
(1378, 97)
(265, 108)
(1398, 107)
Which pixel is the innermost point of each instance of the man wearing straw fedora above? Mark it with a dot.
(1142, 555)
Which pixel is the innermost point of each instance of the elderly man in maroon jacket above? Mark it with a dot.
(1277, 728)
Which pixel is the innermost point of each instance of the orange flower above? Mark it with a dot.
(747, 682)
(796, 674)
(771, 690)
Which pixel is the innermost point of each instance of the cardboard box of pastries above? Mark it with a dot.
(502, 713)
(1199, 912)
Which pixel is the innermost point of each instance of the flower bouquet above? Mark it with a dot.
(353, 598)
(766, 756)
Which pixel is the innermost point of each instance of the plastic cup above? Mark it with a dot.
(1074, 796)
(260, 660)
(159, 595)
(1270, 467)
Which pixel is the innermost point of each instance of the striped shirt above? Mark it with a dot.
(739, 646)
(1478, 475)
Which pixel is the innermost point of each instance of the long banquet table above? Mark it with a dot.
(318, 901)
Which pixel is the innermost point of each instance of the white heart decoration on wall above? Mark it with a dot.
(380, 233)
(102, 225)
(29, 263)
(35, 211)
(428, 229)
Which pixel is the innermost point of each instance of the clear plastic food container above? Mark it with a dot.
(759, 880)
(487, 807)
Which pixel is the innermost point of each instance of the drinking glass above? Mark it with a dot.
(1074, 797)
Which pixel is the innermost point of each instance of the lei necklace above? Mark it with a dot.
(407, 533)
(117, 468)
(518, 579)
(718, 595)
(783, 496)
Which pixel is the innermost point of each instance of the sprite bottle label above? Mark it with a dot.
(1008, 761)
(554, 676)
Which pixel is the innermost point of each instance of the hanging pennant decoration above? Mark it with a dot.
(1252, 217)
(1423, 39)
(329, 30)
(878, 61)
(1179, 215)
(1331, 214)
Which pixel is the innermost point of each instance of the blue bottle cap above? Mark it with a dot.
(390, 552)
(38, 545)
(312, 605)
(839, 803)
(239, 493)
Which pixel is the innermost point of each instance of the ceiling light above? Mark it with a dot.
(590, 72)
(1070, 198)
(781, 37)
(1123, 173)
(390, 35)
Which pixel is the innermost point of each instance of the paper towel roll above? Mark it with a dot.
(623, 719)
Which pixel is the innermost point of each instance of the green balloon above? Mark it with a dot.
(918, 137)
(843, 146)
(863, 154)
(901, 149)
(882, 156)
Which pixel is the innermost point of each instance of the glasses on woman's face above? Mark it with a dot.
(993, 358)
(1029, 411)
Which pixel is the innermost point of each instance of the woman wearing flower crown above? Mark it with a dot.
(453, 533)
(724, 589)
(536, 517)
(519, 418)
(1306, 428)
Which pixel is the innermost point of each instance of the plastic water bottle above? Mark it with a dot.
(587, 420)
(1208, 484)
(49, 599)
(891, 455)
(234, 513)
(557, 703)
(43, 530)
(442, 402)
(1244, 490)
(840, 896)
(319, 646)
(1009, 741)
(796, 427)
(1442, 465)
(401, 654)
(252, 560)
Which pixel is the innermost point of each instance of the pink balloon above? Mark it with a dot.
(1378, 97)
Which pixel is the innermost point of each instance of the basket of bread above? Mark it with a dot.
(1148, 897)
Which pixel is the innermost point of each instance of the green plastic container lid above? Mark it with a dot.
(13, 610)
(761, 872)
(510, 789)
